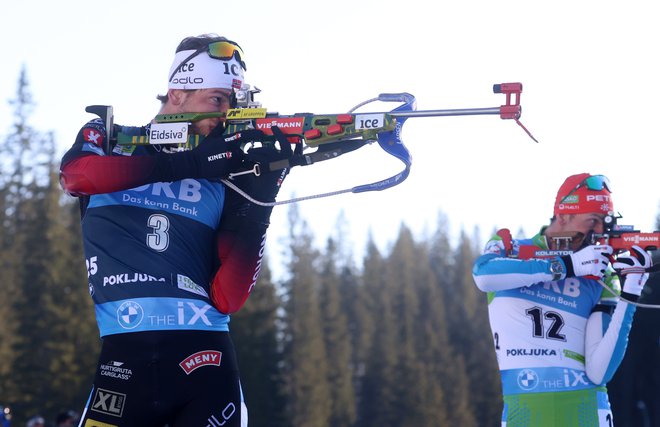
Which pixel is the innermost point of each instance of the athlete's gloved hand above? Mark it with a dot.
(589, 261)
(216, 157)
(632, 266)
(265, 187)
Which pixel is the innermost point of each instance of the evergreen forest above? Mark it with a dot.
(400, 338)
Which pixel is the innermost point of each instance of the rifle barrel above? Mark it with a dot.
(454, 112)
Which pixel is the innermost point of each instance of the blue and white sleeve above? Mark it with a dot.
(606, 340)
(495, 271)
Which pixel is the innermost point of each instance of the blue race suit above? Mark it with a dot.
(164, 274)
(557, 342)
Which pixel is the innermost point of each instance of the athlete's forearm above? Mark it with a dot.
(241, 254)
(606, 341)
(492, 272)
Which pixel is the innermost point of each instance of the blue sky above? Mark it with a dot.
(589, 71)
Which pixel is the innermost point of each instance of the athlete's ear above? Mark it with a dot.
(563, 219)
(176, 96)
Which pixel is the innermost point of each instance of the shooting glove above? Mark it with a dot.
(267, 184)
(632, 266)
(589, 261)
(216, 157)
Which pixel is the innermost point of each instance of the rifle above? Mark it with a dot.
(621, 237)
(330, 134)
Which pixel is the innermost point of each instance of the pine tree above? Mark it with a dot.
(305, 361)
(9, 265)
(74, 338)
(47, 329)
(335, 332)
(378, 400)
(453, 371)
(361, 324)
(474, 342)
(401, 279)
(355, 302)
(29, 163)
(432, 347)
(254, 330)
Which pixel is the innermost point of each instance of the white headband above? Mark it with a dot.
(204, 72)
